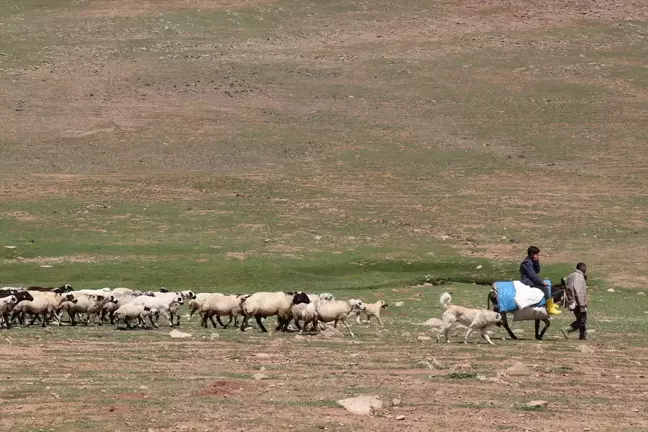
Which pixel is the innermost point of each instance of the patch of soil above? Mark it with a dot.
(223, 389)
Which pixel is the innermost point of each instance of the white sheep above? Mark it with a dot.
(267, 304)
(6, 305)
(130, 311)
(109, 308)
(45, 304)
(372, 310)
(308, 312)
(89, 304)
(338, 310)
(197, 301)
(122, 290)
(163, 304)
(221, 305)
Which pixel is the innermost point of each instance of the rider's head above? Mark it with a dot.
(533, 253)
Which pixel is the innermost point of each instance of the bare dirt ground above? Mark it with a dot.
(203, 385)
(148, 141)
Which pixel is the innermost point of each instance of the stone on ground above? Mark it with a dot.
(361, 405)
(176, 334)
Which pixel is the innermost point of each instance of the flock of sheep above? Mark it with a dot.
(127, 306)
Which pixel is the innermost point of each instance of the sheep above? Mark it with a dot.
(266, 304)
(19, 295)
(62, 289)
(122, 290)
(372, 310)
(132, 310)
(338, 310)
(221, 305)
(6, 305)
(43, 303)
(109, 308)
(162, 304)
(89, 304)
(308, 312)
(196, 303)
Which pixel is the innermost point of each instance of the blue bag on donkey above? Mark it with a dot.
(506, 296)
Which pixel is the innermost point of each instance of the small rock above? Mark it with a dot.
(399, 304)
(433, 322)
(259, 376)
(479, 267)
(214, 336)
(143, 387)
(641, 293)
(481, 377)
(111, 409)
(424, 338)
(400, 417)
(514, 240)
(610, 290)
(261, 355)
(176, 334)
(361, 405)
(518, 368)
(10, 247)
(585, 349)
(537, 403)
(318, 237)
(396, 402)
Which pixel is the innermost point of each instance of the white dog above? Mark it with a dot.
(474, 319)
(373, 310)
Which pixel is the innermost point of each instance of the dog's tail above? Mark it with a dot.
(445, 300)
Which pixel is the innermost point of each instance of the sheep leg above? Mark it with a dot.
(298, 326)
(380, 321)
(5, 316)
(349, 328)
(111, 316)
(45, 322)
(335, 324)
(229, 322)
(127, 322)
(258, 320)
(244, 323)
(220, 322)
(211, 318)
(72, 318)
(153, 324)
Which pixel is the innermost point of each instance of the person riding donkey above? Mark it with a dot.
(529, 275)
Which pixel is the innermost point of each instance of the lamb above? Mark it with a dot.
(372, 310)
(132, 310)
(162, 304)
(6, 305)
(221, 305)
(266, 304)
(338, 310)
(306, 312)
